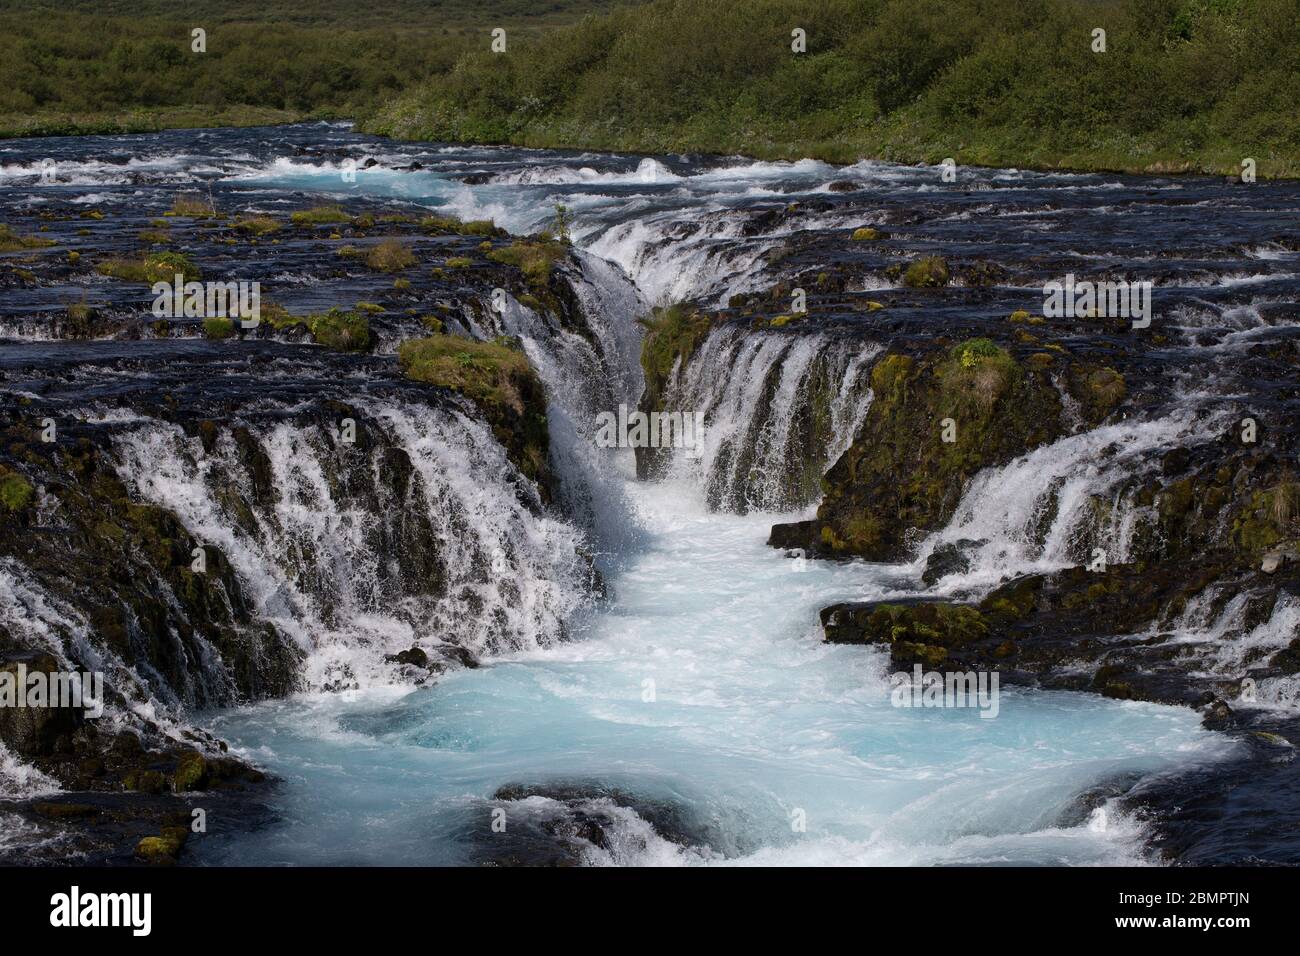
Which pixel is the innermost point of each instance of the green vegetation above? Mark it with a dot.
(10, 241)
(257, 225)
(672, 334)
(1183, 84)
(152, 267)
(483, 371)
(534, 257)
(16, 492)
(319, 214)
(86, 66)
(218, 327)
(193, 206)
(337, 329)
(447, 225)
(390, 255)
(496, 376)
(927, 273)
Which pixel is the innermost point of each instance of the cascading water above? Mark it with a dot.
(481, 567)
(698, 716)
(778, 409)
(1048, 509)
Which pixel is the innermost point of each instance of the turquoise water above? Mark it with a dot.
(751, 726)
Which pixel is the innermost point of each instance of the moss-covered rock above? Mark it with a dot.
(929, 272)
(218, 327)
(191, 772)
(498, 378)
(936, 419)
(535, 258)
(164, 849)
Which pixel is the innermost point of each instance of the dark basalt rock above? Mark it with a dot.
(948, 559)
(1072, 630)
(575, 817)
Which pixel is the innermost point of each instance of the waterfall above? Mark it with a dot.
(134, 695)
(778, 410)
(423, 534)
(1048, 509)
(1215, 627)
(589, 363)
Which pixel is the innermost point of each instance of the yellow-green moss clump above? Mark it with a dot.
(218, 327)
(672, 333)
(390, 255)
(487, 372)
(929, 272)
(348, 331)
(1270, 517)
(534, 257)
(191, 206)
(319, 214)
(449, 225)
(16, 492)
(865, 234)
(257, 225)
(10, 241)
(150, 268)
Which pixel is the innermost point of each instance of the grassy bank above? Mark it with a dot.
(107, 66)
(1183, 85)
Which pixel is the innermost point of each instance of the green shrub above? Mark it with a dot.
(337, 329)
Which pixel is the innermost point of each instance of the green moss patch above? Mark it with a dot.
(11, 241)
(318, 215)
(390, 255)
(534, 257)
(16, 492)
(929, 272)
(150, 268)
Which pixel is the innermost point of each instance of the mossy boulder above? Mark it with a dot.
(929, 272)
(164, 849)
(191, 772)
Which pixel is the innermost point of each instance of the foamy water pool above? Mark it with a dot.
(705, 685)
